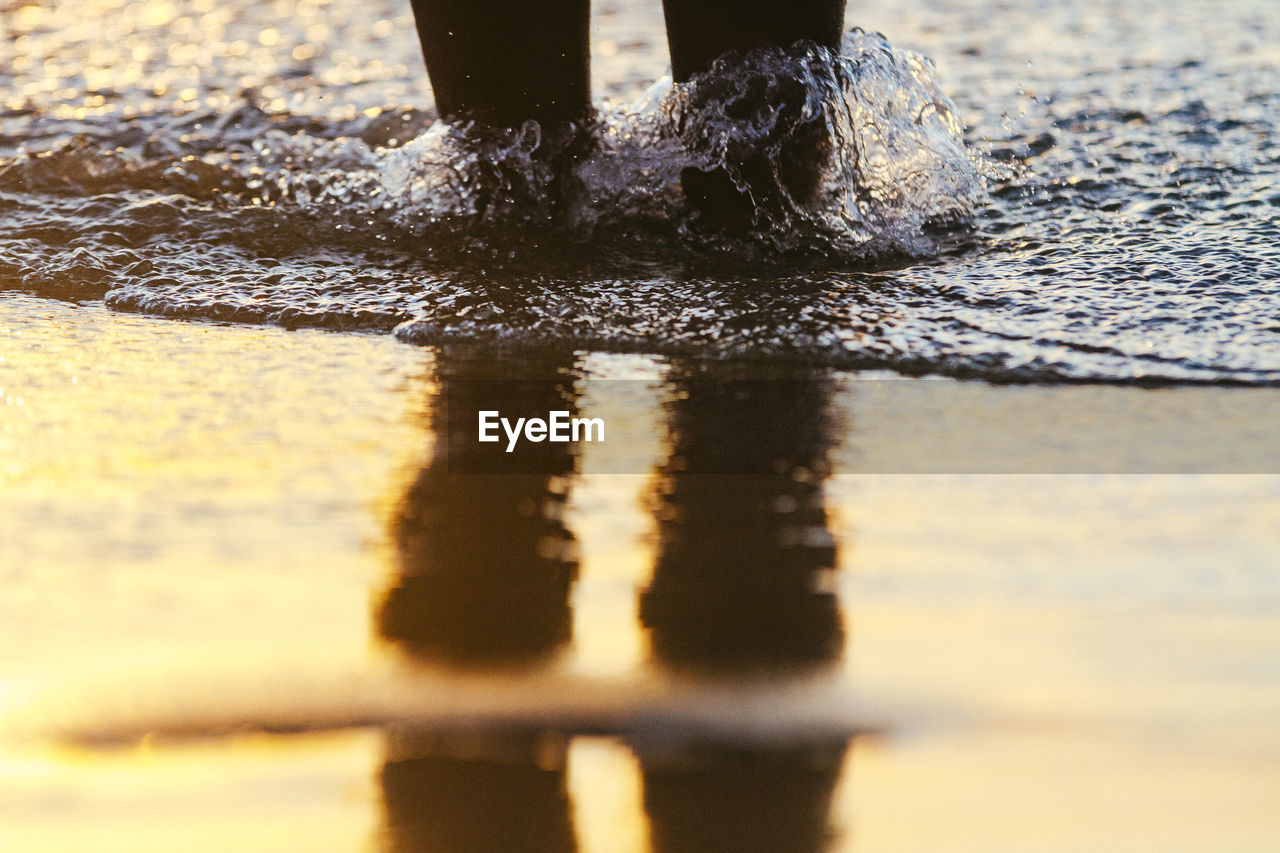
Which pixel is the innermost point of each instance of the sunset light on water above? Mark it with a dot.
(934, 509)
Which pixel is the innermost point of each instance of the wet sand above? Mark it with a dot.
(1026, 661)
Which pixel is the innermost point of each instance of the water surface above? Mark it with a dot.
(1109, 212)
(248, 603)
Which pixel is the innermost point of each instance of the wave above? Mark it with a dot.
(873, 235)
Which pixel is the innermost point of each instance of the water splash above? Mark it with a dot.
(879, 247)
(880, 141)
(856, 153)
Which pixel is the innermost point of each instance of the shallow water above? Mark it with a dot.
(187, 160)
(1035, 661)
(218, 530)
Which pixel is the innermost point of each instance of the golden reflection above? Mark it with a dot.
(189, 551)
(485, 560)
(742, 799)
(745, 554)
(485, 570)
(491, 794)
(740, 586)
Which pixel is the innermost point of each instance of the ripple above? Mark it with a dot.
(1118, 225)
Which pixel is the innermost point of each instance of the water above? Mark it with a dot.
(1109, 214)
(243, 267)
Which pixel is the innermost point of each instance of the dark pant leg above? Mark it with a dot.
(506, 61)
(698, 31)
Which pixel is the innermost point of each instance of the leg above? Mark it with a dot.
(506, 61)
(698, 31)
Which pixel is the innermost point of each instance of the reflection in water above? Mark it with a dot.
(743, 553)
(510, 796)
(742, 800)
(486, 567)
(740, 587)
(486, 562)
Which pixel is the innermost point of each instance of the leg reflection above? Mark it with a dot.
(440, 797)
(486, 562)
(485, 574)
(742, 584)
(745, 557)
(742, 800)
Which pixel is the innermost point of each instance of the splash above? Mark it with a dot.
(870, 238)
(851, 155)
(877, 146)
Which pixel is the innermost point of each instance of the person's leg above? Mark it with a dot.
(506, 61)
(698, 31)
